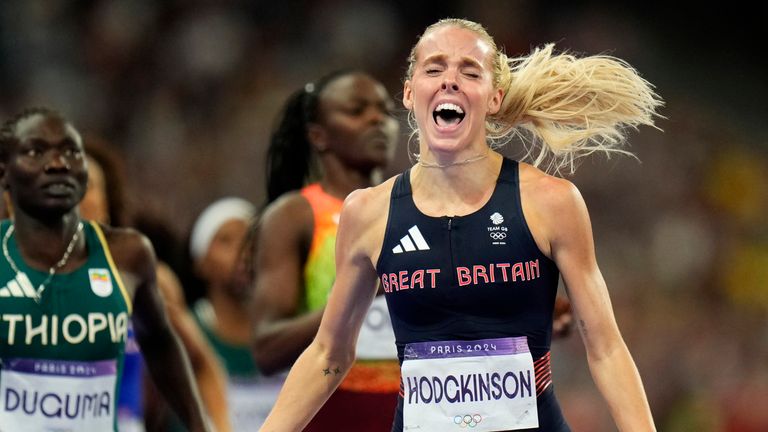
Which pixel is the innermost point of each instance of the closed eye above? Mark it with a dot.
(356, 110)
(471, 72)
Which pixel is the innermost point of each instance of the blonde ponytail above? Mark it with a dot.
(563, 107)
(570, 107)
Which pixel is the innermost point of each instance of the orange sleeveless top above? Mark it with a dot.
(372, 376)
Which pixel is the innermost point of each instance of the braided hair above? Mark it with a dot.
(289, 156)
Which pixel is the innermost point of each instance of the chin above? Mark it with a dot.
(447, 145)
(50, 212)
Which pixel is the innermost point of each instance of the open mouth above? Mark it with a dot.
(448, 114)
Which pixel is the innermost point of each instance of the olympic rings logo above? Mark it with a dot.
(498, 235)
(467, 420)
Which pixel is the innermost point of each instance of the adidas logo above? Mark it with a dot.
(20, 286)
(411, 242)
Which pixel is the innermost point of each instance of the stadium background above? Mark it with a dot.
(188, 90)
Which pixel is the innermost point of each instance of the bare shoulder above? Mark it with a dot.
(131, 250)
(290, 212)
(364, 218)
(547, 192)
(553, 207)
(368, 205)
(291, 205)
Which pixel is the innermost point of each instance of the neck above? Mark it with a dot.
(43, 242)
(232, 317)
(458, 189)
(474, 151)
(449, 161)
(341, 180)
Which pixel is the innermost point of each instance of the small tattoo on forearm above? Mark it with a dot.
(583, 327)
(328, 371)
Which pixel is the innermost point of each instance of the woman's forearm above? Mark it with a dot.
(312, 379)
(211, 381)
(277, 345)
(618, 380)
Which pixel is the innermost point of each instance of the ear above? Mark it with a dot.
(407, 95)
(494, 104)
(317, 137)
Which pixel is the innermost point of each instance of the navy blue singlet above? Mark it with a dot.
(473, 277)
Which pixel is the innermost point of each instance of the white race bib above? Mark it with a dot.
(484, 385)
(377, 339)
(57, 395)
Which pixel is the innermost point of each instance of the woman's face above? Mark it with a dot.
(45, 173)
(95, 203)
(220, 262)
(355, 122)
(451, 91)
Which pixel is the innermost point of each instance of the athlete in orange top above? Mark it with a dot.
(346, 120)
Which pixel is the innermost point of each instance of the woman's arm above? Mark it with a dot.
(209, 374)
(164, 356)
(283, 239)
(611, 365)
(326, 361)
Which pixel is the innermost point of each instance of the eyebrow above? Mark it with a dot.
(40, 141)
(442, 58)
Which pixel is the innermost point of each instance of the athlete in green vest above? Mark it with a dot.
(67, 290)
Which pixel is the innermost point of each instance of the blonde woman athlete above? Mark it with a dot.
(469, 246)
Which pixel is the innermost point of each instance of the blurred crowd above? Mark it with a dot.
(187, 93)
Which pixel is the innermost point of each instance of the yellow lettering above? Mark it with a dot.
(54, 330)
(66, 330)
(41, 329)
(96, 323)
(12, 320)
(121, 323)
(111, 321)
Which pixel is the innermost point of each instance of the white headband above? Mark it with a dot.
(212, 218)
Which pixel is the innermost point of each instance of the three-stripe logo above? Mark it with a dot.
(20, 286)
(412, 241)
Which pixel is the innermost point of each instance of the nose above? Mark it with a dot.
(450, 86)
(376, 115)
(450, 83)
(57, 162)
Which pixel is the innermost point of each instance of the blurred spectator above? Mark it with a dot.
(216, 245)
(105, 201)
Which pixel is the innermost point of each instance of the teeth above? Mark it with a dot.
(450, 106)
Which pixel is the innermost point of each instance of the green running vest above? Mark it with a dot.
(61, 355)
